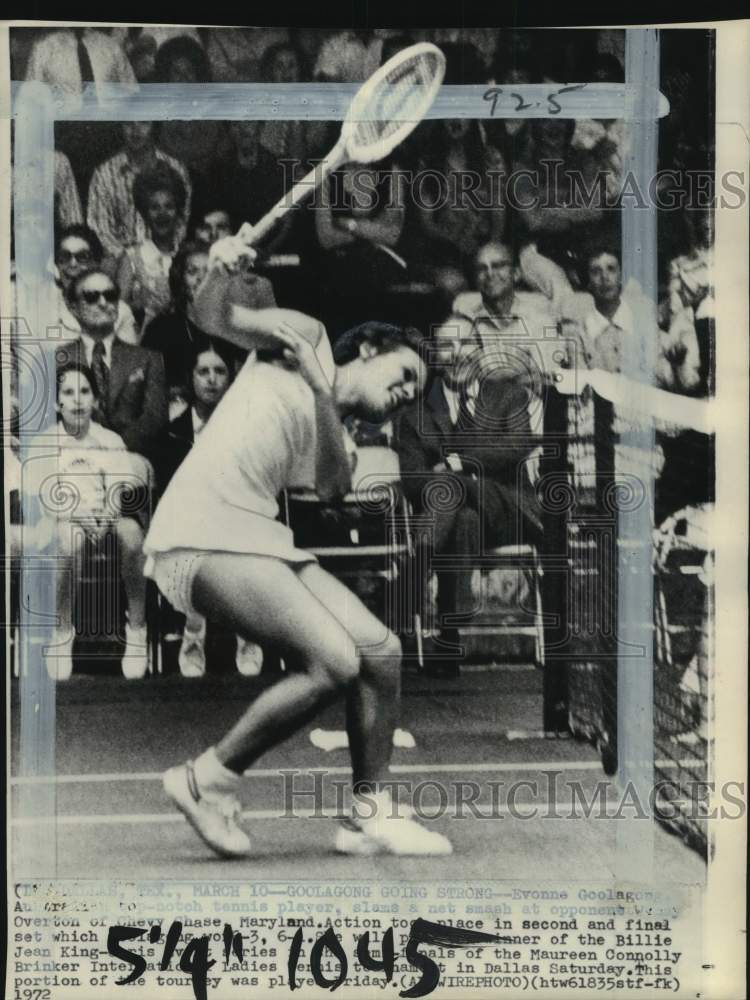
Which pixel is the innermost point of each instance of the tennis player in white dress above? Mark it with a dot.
(216, 548)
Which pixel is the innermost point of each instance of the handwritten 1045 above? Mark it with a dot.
(195, 962)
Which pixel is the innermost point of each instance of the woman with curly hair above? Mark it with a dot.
(143, 273)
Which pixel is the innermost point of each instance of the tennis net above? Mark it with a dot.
(609, 446)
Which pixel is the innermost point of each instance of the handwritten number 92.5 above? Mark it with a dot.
(195, 960)
(553, 105)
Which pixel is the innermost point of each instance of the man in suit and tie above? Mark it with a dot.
(130, 380)
(463, 452)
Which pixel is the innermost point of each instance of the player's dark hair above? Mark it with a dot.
(383, 337)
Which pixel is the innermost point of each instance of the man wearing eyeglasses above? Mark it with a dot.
(464, 452)
(78, 249)
(129, 379)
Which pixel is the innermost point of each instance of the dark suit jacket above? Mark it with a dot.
(493, 445)
(176, 442)
(137, 407)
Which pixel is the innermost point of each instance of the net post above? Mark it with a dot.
(635, 661)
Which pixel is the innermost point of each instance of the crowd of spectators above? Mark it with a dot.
(460, 258)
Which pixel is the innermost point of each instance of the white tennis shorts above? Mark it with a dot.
(174, 572)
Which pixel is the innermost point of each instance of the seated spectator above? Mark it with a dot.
(358, 224)
(689, 310)
(210, 377)
(604, 139)
(282, 63)
(450, 224)
(554, 216)
(249, 181)
(67, 201)
(212, 224)
(76, 496)
(345, 58)
(78, 248)
(602, 319)
(70, 58)
(176, 334)
(128, 380)
(235, 54)
(142, 43)
(195, 143)
(501, 313)
(159, 196)
(210, 366)
(441, 452)
(308, 41)
(111, 211)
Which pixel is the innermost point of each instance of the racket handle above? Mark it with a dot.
(301, 190)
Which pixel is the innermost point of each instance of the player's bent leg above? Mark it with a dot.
(261, 598)
(378, 825)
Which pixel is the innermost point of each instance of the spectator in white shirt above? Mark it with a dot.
(69, 58)
(520, 323)
(601, 319)
(111, 210)
(76, 491)
(59, 59)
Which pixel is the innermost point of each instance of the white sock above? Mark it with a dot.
(212, 776)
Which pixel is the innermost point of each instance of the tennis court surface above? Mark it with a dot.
(107, 816)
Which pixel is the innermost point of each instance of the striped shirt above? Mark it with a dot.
(111, 211)
(67, 201)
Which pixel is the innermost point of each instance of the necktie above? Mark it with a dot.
(84, 61)
(101, 377)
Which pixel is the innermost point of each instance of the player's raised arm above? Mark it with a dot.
(249, 329)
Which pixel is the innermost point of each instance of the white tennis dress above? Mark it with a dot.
(260, 440)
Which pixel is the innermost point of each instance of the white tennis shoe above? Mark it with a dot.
(135, 657)
(212, 815)
(249, 658)
(192, 655)
(390, 831)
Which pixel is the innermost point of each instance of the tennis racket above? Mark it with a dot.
(385, 109)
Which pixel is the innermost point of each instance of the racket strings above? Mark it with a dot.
(386, 112)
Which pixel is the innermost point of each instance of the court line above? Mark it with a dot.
(482, 768)
(143, 819)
